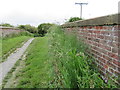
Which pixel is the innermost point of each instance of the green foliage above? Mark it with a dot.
(28, 28)
(43, 28)
(10, 44)
(58, 60)
(12, 41)
(6, 25)
(36, 72)
(72, 19)
(72, 68)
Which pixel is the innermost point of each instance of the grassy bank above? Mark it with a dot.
(10, 44)
(37, 68)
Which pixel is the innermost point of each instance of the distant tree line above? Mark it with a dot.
(28, 28)
(6, 25)
(41, 30)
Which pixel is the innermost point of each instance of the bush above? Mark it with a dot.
(72, 67)
(28, 28)
(72, 19)
(43, 28)
(37, 35)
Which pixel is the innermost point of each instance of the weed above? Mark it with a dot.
(72, 67)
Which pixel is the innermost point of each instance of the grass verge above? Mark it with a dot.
(36, 72)
(10, 44)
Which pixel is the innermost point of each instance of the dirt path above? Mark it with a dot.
(6, 66)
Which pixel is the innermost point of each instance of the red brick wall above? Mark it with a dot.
(104, 44)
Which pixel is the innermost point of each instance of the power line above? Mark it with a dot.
(81, 8)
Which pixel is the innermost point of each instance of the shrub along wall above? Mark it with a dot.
(102, 35)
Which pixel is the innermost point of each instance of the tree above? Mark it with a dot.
(6, 25)
(43, 28)
(72, 19)
(21, 27)
(28, 28)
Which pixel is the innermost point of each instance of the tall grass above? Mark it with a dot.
(72, 68)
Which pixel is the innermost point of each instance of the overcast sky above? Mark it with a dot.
(35, 12)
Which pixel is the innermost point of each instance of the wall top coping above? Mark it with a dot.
(1, 27)
(104, 20)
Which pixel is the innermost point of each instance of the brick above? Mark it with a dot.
(100, 36)
(107, 48)
(110, 64)
(113, 55)
(97, 32)
(116, 62)
(101, 27)
(101, 45)
(105, 66)
(104, 51)
(101, 59)
(99, 54)
(96, 27)
(104, 27)
(107, 58)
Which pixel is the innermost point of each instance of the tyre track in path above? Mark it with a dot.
(6, 66)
